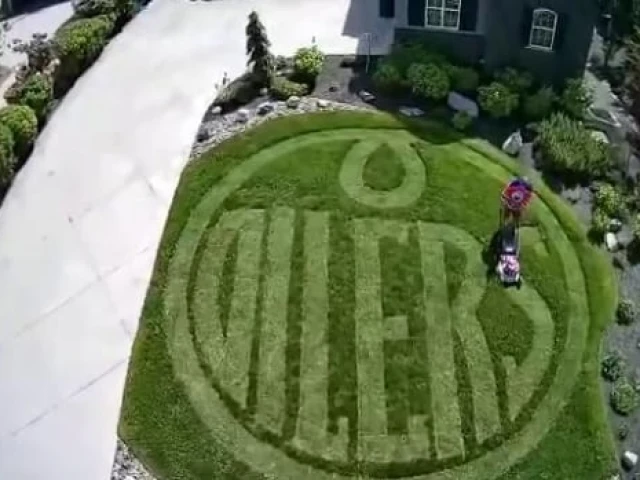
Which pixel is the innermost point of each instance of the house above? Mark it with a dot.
(550, 38)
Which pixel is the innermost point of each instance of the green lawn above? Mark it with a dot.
(321, 307)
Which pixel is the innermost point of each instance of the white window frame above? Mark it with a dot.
(443, 9)
(535, 27)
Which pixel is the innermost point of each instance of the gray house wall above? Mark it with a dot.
(501, 36)
(506, 40)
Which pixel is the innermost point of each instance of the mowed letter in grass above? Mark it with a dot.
(323, 307)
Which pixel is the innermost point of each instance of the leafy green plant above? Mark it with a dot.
(282, 88)
(599, 222)
(515, 80)
(567, 147)
(576, 98)
(78, 44)
(609, 200)
(260, 59)
(429, 81)
(626, 312)
(613, 366)
(37, 93)
(404, 55)
(387, 77)
(461, 121)
(39, 51)
(497, 100)
(308, 62)
(93, 8)
(540, 104)
(624, 398)
(22, 122)
(7, 159)
(463, 79)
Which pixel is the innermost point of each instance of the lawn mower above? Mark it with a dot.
(508, 261)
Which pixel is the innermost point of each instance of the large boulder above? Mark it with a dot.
(293, 101)
(513, 144)
(611, 241)
(460, 103)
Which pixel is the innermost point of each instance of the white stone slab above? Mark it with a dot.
(74, 441)
(58, 356)
(460, 103)
(122, 227)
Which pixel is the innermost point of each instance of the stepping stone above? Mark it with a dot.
(629, 460)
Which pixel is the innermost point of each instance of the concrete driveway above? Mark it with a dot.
(80, 227)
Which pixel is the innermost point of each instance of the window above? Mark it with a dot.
(443, 14)
(543, 29)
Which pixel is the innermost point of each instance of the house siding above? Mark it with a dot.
(506, 40)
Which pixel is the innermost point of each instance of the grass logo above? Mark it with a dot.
(326, 326)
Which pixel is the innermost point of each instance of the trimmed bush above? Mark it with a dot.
(461, 121)
(540, 104)
(624, 399)
(609, 200)
(78, 44)
(22, 122)
(308, 62)
(613, 367)
(515, 80)
(463, 79)
(567, 147)
(576, 98)
(404, 55)
(626, 312)
(37, 93)
(387, 77)
(282, 88)
(93, 8)
(429, 81)
(497, 100)
(599, 222)
(7, 159)
(39, 51)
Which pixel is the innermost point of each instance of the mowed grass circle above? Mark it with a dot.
(323, 307)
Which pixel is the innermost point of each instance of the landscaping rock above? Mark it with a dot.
(242, 115)
(411, 111)
(615, 225)
(629, 460)
(293, 101)
(601, 136)
(216, 111)
(610, 241)
(573, 195)
(513, 143)
(203, 134)
(366, 96)
(264, 92)
(264, 108)
(460, 103)
(321, 103)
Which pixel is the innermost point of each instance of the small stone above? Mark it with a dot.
(610, 241)
(513, 143)
(203, 134)
(321, 103)
(242, 115)
(615, 225)
(366, 96)
(217, 110)
(264, 108)
(629, 460)
(264, 92)
(411, 111)
(293, 101)
(334, 87)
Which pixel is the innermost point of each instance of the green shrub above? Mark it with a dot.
(93, 8)
(599, 222)
(463, 79)
(387, 77)
(626, 312)
(39, 52)
(78, 44)
(429, 81)
(403, 55)
(497, 100)
(37, 93)
(613, 366)
(7, 159)
(624, 399)
(540, 104)
(568, 147)
(22, 122)
(281, 88)
(307, 62)
(517, 81)
(609, 200)
(576, 98)
(461, 121)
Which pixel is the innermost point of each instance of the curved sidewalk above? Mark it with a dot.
(80, 227)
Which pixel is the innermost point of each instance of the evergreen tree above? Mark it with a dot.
(632, 73)
(258, 44)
